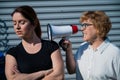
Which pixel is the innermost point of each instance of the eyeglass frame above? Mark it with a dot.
(84, 25)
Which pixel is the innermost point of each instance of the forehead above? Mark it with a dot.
(87, 21)
(17, 16)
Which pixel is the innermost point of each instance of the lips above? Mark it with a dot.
(18, 32)
(84, 34)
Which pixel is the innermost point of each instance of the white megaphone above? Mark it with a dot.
(60, 31)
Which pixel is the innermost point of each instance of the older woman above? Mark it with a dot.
(97, 58)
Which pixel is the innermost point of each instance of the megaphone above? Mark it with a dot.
(60, 31)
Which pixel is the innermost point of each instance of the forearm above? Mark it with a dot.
(70, 62)
(23, 76)
(55, 76)
(32, 76)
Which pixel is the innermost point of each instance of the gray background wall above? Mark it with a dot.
(63, 12)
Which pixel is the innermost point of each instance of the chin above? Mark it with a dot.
(20, 36)
(85, 39)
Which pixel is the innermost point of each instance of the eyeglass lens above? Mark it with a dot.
(85, 25)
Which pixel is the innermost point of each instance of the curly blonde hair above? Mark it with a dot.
(100, 21)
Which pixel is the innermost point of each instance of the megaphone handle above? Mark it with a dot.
(61, 44)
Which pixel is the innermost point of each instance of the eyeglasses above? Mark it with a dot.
(84, 25)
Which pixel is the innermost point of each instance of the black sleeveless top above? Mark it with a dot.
(29, 63)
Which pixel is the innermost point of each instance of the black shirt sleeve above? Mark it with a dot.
(12, 51)
(50, 46)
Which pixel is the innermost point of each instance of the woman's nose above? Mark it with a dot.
(82, 28)
(18, 26)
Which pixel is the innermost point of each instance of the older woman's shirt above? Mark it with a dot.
(100, 64)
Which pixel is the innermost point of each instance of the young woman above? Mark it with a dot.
(34, 58)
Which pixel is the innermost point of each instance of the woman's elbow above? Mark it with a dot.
(60, 77)
(70, 71)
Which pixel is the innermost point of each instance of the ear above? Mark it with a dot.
(97, 32)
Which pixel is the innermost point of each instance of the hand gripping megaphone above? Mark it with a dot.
(60, 31)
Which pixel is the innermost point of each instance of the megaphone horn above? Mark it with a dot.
(60, 31)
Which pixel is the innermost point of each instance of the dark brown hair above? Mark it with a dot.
(29, 13)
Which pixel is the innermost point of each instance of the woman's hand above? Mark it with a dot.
(65, 44)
